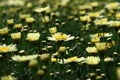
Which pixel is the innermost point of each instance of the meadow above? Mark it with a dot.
(59, 40)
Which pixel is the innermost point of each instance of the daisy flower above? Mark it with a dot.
(24, 58)
(91, 60)
(60, 37)
(7, 48)
(33, 36)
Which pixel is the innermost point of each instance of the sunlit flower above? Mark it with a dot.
(46, 19)
(100, 22)
(24, 16)
(75, 59)
(4, 30)
(17, 26)
(33, 36)
(94, 4)
(62, 49)
(45, 9)
(94, 14)
(24, 58)
(33, 63)
(108, 59)
(8, 77)
(10, 21)
(15, 36)
(91, 49)
(85, 18)
(7, 48)
(118, 73)
(92, 60)
(44, 56)
(101, 46)
(112, 5)
(15, 2)
(30, 20)
(114, 23)
(95, 39)
(53, 30)
(60, 37)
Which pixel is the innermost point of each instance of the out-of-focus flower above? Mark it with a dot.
(114, 23)
(93, 14)
(91, 49)
(24, 16)
(112, 5)
(33, 36)
(118, 73)
(95, 39)
(33, 63)
(7, 48)
(10, 21)
(94, 4)
(60, 37)
(85, 18)
(117, 15)
(45, 9)
(53, 30)
(8, 77)
(40, 72)
(16, 36)
(45, 19)
(4, 30)
(30, 20)
(108, 59)
(62, 49)
(44, 56)
(75, 59)
(19, 58)
(101, 22)
(64, 2)
(17, 26)
(92, 60)
(15, 2)
(101, 46)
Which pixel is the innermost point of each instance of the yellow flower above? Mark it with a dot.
(15, 2)
(75, 59)
(60, 37)
(118, 73)
(10, 21)
(94, 4)
(30, 20)
(92, 60)
(53, 30)
(45, 9)
(100, 22)
(94, 14)
(24, 16)
(17, 26)
(15, 36)
(9, 77)
(62, 49)
(7, 48)
(33, 36)
(24, 58)
(112, 5)
(45, 19)
(4, 31)
(101, 46)
(114, 23)
(95, 39)
(85, 18)
(91, 49)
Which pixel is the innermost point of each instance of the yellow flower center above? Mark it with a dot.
(4, 49)
(60, 37)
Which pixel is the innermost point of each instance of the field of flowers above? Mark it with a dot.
(59, 40)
